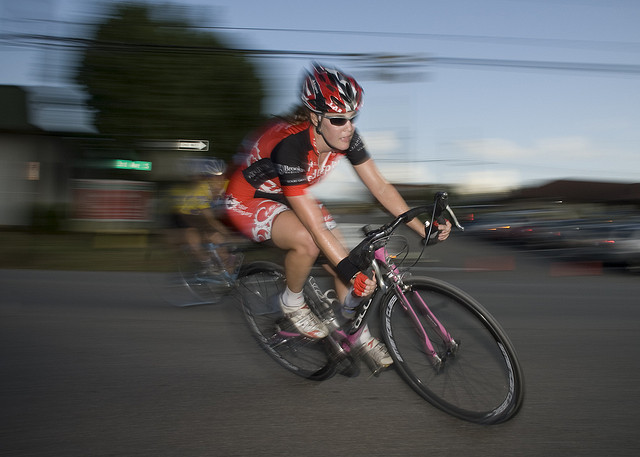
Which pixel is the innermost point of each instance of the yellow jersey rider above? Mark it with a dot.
(194, 205)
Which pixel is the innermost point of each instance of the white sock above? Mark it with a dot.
(292, 300)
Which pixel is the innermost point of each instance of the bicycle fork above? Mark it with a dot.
(437, 360)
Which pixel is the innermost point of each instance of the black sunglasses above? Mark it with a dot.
(340, 121)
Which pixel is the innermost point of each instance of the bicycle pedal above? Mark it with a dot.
(375, 368)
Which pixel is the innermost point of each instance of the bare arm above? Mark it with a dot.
(214, 223)
(389, 197)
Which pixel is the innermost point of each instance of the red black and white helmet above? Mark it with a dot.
(328, 90)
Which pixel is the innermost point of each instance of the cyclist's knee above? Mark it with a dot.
(217, 238)
(305, 245)
(289, 234)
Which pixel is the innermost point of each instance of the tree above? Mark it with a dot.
(151, 78)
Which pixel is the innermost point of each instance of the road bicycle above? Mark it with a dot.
(444, 344)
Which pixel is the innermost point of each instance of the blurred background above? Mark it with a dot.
(526, 111)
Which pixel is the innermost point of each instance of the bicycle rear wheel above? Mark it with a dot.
(480, 380)
(260, 285)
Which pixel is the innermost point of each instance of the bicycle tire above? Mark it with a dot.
(203, 289)
(482, 382)
(259, 287)
(175, 278)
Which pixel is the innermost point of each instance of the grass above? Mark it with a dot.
(59, 250)
(74, 251)
(93, 251)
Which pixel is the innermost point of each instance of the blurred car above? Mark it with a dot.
(607, 241)
(622, 245)
(536, 229)
(501, 225)
(610, 237)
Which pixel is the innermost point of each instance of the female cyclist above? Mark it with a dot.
(267, 197)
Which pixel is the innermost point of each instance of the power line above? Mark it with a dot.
(628, 46)
(384, 61)
(541, 65)
(43, 41)
(551, 42)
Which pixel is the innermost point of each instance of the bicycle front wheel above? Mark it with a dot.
(260, 285)
(179, 281)
(476, 375)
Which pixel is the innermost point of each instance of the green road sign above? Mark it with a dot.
(131, 165)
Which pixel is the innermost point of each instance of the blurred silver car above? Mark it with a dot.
(622, 245)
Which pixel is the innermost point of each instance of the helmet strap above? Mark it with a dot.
(319, 117)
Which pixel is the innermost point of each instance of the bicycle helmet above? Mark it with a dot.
(205, 166)
(213, 167)
(327, 90)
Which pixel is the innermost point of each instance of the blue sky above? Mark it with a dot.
(481, 126)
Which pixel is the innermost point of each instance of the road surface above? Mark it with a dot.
(98, 364)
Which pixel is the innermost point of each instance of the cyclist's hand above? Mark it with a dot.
(441, 232)
(444, 230)
(362, 285)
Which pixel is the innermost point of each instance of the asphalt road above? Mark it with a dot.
(98, 364)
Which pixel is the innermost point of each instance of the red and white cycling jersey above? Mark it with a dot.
(280, 161)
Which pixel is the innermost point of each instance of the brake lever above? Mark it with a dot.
(441, 204)
(454, 218)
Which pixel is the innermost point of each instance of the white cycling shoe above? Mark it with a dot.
(376, 354)
(305, 322)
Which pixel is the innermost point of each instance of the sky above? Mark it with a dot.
(506, 93)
